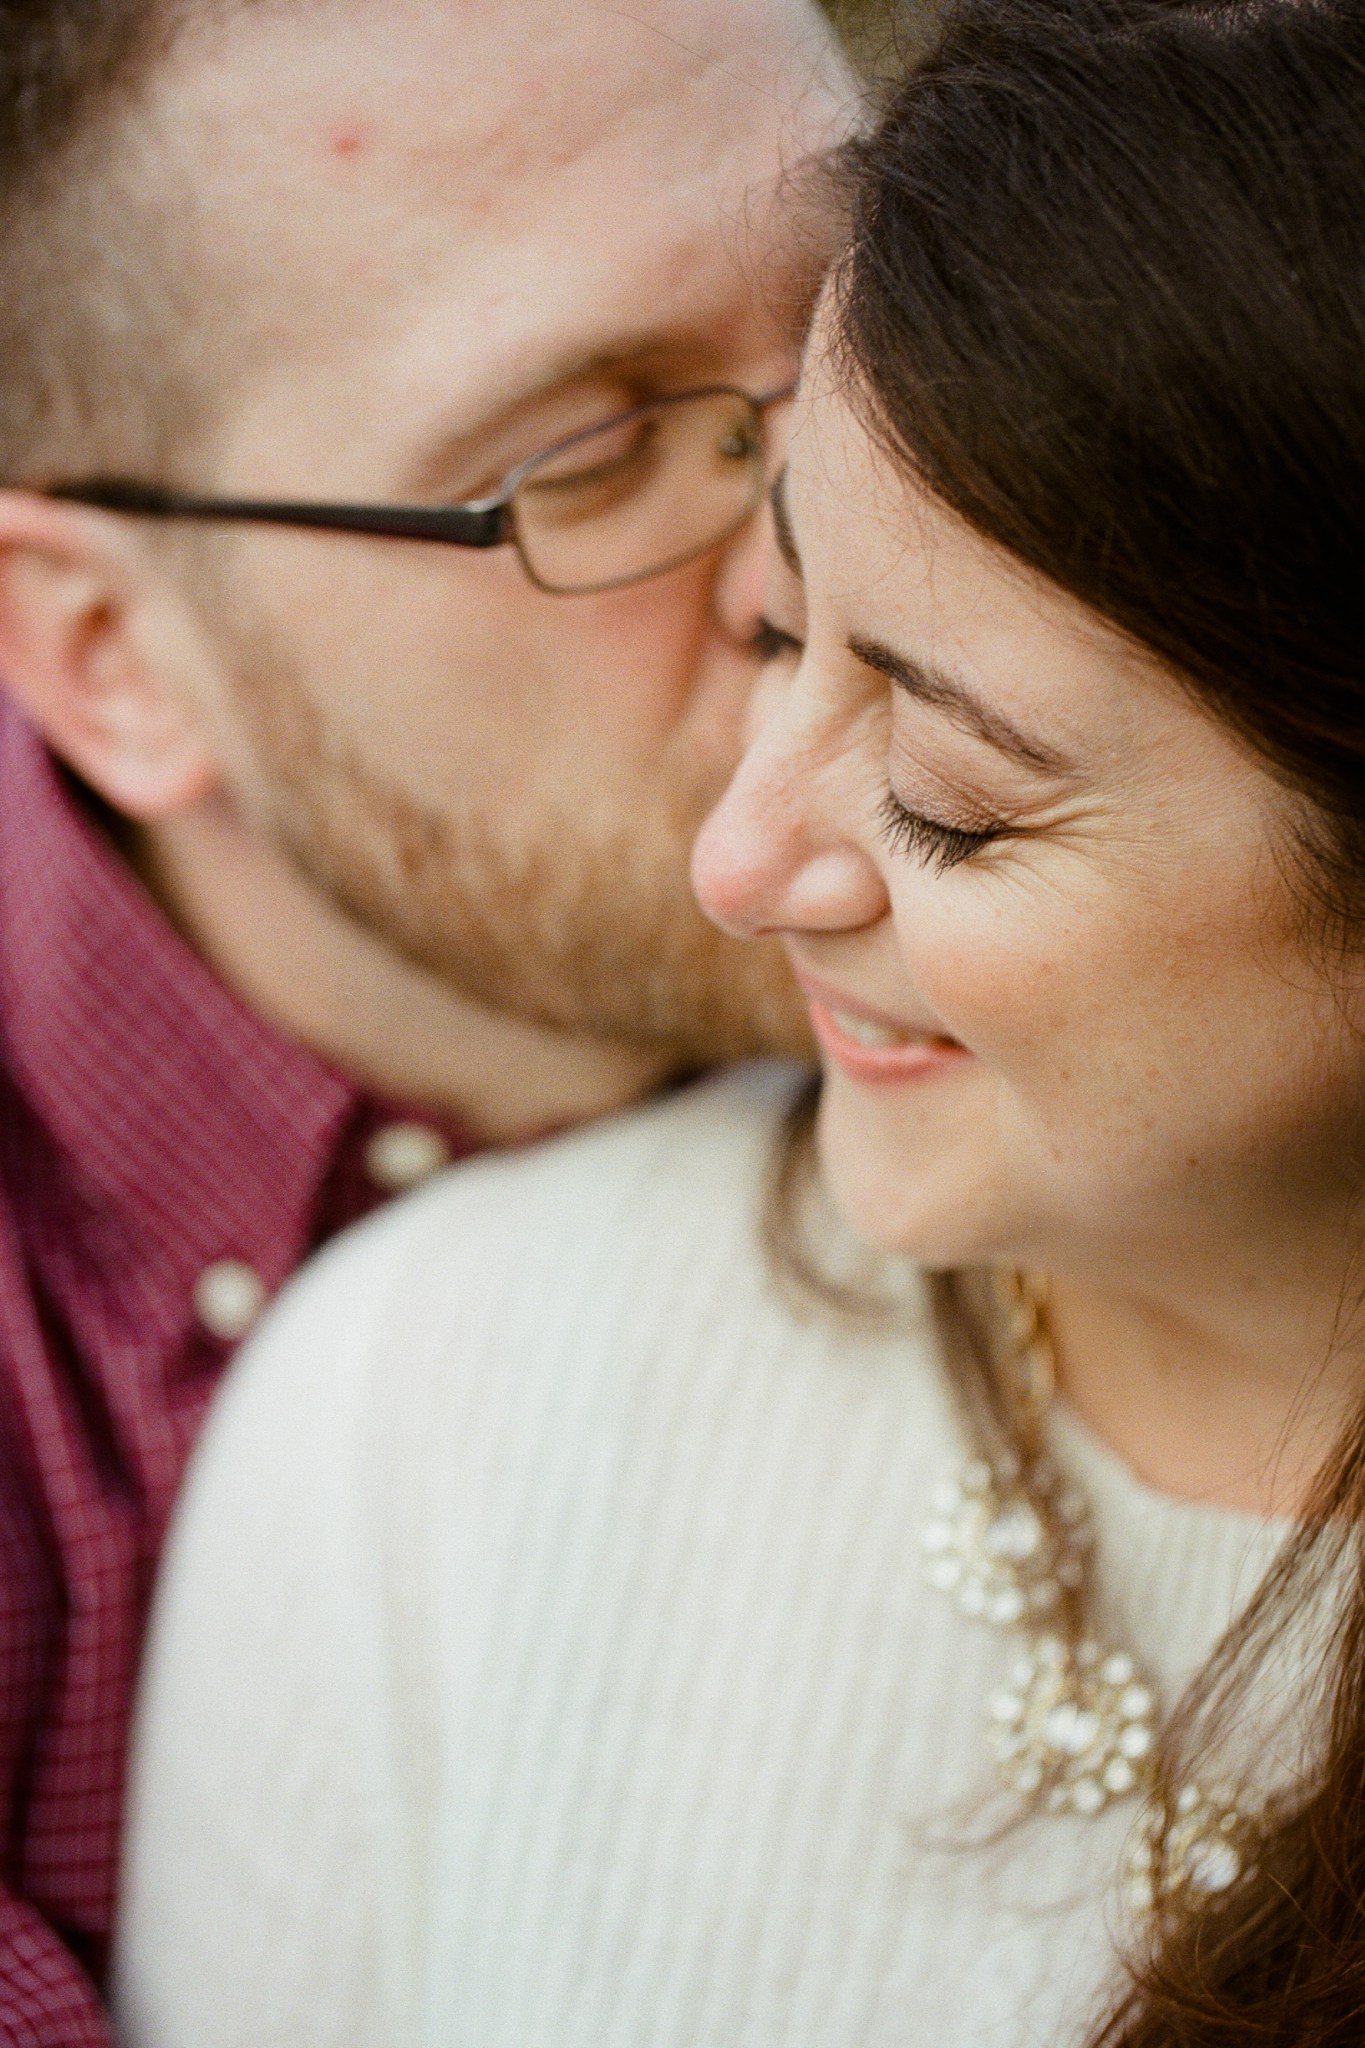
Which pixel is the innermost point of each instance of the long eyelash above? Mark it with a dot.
(941, 846)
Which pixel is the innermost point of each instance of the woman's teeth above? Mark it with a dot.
(862, 1030)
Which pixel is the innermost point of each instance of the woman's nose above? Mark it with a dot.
(772, 856)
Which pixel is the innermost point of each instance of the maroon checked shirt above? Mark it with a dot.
(166, 1160)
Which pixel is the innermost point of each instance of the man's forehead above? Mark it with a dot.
(483, 88)
(486, 177)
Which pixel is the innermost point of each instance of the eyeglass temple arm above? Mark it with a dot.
(484, 525)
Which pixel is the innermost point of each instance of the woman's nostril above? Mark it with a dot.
(836, 890)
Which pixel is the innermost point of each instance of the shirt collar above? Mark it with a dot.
(169, 1098)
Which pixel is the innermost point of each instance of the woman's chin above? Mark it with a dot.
(932, 1209)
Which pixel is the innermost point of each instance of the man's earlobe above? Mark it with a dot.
(85, 650)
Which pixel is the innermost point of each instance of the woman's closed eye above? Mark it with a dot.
(904, 831)
(938, 845)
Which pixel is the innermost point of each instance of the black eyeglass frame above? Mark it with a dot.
(477, 523)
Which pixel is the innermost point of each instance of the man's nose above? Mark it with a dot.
(773, 856)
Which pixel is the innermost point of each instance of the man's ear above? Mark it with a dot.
(98, 648)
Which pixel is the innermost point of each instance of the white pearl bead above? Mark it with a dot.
(1086, 1796)
(1070, 1728)
(1212, 1866)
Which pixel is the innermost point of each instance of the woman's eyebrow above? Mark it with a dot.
(782, 525)
(961, 704)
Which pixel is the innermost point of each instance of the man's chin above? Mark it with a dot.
(703, 1001)
(761, 1012)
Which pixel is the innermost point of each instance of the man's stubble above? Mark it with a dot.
(565, 913)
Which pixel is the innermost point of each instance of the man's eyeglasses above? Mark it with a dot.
(641, 494)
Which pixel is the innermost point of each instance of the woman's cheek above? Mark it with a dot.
(1025, 975)
(988, 981)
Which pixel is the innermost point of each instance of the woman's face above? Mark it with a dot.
(1037, 899)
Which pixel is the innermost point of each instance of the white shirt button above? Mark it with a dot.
(403, 1155)
(228, 1298)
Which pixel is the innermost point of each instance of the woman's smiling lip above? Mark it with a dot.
(868, 1045)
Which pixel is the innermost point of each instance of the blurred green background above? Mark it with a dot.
(882, 33)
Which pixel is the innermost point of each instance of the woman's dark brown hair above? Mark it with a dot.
(1105, 296)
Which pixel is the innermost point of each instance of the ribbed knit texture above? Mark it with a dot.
(544, 1659)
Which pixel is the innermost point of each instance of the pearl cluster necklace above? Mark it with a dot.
(1074, 1727)
(1073, 1723)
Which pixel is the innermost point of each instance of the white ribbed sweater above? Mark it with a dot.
(544, 1661)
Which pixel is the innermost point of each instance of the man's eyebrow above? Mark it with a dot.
(959, 703)
(782, 525)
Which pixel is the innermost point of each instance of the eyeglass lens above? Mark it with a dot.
(642, 494)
